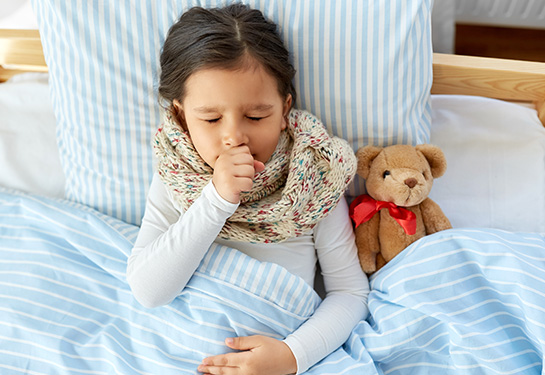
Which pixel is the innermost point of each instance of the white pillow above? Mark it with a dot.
(496, 163)
(364, 68)
(29, 156)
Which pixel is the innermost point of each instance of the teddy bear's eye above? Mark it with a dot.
(386, 173)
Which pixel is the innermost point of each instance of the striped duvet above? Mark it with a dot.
(458, 302)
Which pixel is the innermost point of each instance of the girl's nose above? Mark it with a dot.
(234, 135)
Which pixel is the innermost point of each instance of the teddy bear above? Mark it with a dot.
(396, 210)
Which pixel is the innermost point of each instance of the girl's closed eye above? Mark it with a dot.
(213, 120)
(255, 118)
(258, 117)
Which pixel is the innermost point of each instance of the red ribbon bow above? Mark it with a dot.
(364, 207)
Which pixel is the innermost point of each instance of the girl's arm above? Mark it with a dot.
(346, 288)
(171, 244)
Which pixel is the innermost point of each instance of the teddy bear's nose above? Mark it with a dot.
(411, 182)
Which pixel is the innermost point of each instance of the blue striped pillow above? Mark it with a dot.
(364, 68)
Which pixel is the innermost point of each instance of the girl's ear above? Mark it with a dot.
(179, 113)
(287, 104)
(286, 110)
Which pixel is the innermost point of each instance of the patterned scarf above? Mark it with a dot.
(303, 180)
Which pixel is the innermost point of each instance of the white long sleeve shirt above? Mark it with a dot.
(172, 242)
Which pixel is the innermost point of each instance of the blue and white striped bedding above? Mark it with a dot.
(458, 302)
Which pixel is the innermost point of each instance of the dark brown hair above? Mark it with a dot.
(222, 38)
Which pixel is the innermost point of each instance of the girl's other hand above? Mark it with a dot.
(259, 355)
(234, 172)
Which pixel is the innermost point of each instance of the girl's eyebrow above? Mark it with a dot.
(260, 107)
(206, 109)
(254, 107)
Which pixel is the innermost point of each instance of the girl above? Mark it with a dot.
(240, 167)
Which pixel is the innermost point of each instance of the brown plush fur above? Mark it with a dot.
(407, 182)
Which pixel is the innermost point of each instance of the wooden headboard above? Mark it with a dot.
(20, 51)
(513, 80)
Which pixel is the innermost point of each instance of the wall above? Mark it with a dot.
(504, 13)
(17, 14)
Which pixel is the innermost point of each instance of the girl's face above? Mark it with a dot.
(229, 108)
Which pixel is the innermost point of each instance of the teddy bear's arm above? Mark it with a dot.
(433, 217)
(367, 241)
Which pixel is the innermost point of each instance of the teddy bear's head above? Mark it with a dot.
(401, 174)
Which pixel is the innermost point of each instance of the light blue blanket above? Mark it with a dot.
(458, 302)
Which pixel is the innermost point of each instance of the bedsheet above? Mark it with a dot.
(460, 301)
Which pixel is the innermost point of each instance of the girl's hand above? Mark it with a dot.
(234, 172)
(259, 355)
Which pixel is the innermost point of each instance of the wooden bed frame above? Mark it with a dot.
(512, 80)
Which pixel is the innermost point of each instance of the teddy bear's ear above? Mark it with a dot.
(365, 157)
(435, 157)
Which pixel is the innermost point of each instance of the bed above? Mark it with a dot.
(466, 300)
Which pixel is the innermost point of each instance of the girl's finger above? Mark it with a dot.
(258, 166)
(220, 364)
